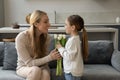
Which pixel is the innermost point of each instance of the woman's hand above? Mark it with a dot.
(55, 55)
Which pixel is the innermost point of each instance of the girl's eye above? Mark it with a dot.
(46, 22)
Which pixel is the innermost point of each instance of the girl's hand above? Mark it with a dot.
(58, 45)
(55, 55)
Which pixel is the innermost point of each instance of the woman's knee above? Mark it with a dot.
(45, 75)
(35, 73)
(36, 70)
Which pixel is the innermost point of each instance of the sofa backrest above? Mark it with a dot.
(100, 52)
(1, 53)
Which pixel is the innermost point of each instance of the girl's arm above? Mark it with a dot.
(70, 50)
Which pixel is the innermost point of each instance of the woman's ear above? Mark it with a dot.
(35, 24)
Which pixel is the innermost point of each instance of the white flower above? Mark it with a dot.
(64, 36)
(55, 36)
(59, 37)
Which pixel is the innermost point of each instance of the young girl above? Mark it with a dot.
(73, 54)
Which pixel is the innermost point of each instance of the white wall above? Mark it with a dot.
(93, 11)
(1, 13)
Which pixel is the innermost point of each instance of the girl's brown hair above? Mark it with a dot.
(39, 47)
(79, 25)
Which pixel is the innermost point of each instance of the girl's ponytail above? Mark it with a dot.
(84, 44)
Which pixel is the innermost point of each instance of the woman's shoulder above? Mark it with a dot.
(22, 35)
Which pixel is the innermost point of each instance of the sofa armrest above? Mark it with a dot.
(115, 60)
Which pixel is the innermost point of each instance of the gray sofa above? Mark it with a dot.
(103, 62)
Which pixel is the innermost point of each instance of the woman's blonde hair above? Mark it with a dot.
(28, 18)
(79, 25)
(39, 47)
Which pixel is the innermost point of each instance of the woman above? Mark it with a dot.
(31, 48)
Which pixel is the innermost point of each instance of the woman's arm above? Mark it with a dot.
(24, 55)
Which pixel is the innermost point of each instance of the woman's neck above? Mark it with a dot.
(37, 33)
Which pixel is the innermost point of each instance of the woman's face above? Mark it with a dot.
(44, 24)
(68, 27)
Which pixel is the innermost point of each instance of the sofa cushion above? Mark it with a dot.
(100, 52)
(10, 56)
(1, 53)
(9, 75)
(115, 60)
(100, 72)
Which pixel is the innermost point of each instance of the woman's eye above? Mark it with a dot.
(46, 22)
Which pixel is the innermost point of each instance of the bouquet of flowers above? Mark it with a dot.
(61, 38)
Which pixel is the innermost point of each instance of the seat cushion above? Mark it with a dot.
(9, 75)
(54, 77)
(10, 56)
(100, 72)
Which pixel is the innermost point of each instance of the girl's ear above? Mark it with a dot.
(73, 27)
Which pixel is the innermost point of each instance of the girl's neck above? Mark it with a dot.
(74, 33)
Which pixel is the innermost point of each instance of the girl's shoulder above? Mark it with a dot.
(74, 37)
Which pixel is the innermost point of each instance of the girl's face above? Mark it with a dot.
(68, 27)
(44, 24)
